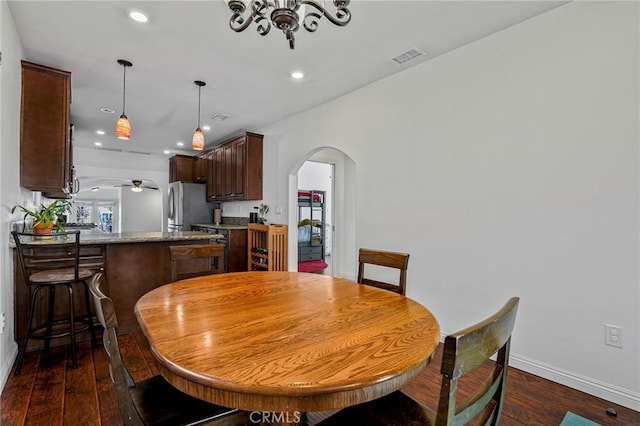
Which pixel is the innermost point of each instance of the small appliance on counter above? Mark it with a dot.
(187, 206)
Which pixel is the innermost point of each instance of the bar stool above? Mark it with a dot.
(48, 261)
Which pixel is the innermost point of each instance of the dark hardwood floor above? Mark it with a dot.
(48, 393)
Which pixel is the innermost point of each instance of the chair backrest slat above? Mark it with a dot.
(468, 349)
(41, 252)
(387, 259)
(119, 374)
(196, 259)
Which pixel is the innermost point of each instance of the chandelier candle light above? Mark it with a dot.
(285, 15)
(197, 142)
(123, 127)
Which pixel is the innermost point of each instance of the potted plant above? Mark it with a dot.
(263, 210)
(46, 217)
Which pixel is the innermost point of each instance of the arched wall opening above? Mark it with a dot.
(344, 210)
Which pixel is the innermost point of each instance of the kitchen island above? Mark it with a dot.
(133, 263)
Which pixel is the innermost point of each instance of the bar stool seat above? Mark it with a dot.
(60, 276)
(47, 262)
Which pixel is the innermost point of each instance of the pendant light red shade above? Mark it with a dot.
(123, 126)
(197, 142)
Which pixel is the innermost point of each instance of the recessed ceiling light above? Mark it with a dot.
(180, 143)
(100, 132)
(95, 189)
(166, 151)
(297, 75)
(206, 128)
(97, 143)
(108, 110)
(138, 16)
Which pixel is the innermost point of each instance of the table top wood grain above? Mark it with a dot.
(285, 341)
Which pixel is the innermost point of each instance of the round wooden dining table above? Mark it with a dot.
(285, 341)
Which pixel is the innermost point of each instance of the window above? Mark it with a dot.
(98, 212)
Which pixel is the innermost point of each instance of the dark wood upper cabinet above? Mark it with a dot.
(45, 135)
(235, 169)
(181, 168)
(184, 168)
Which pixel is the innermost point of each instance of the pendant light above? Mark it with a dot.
(123, 127)
(197, 142)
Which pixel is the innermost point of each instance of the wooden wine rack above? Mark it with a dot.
(267, 247)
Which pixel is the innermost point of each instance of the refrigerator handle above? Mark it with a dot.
(172, 204)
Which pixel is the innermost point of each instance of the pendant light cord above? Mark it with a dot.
(124, 87)
(199, 91)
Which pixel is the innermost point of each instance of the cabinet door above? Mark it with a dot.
(239, 155)
(200, 168)
(235, 155)
(237, 250)
(218, 183)
(211, 174)
(229, 187)
(45, 144)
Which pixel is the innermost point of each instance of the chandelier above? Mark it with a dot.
(285, 15)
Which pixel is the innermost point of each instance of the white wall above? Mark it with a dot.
(10, 84)
(152, 214)
(141, 211)
(507, 167)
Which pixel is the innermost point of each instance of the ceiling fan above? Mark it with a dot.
(137, 185)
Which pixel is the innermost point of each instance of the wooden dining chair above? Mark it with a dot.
(463, 352)
(152, 401)
(386, 259)
(194, 260)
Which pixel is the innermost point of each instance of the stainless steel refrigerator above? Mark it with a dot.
(188, 205)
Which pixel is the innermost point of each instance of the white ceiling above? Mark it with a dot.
(247, 76)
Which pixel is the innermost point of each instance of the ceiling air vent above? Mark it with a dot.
(139, 152)
(220, 117)
(110, 149)
(408, 55)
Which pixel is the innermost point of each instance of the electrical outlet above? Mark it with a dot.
(3, 322)
(613, 335)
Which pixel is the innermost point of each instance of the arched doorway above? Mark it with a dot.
(343, 214)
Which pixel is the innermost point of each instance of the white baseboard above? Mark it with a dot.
(594, 387)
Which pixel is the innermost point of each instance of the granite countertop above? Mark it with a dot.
(98, 237)
(220, 226)
(142, 237)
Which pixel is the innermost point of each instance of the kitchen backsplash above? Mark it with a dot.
(231, 220)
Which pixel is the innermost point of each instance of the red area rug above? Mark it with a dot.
(312, 266)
